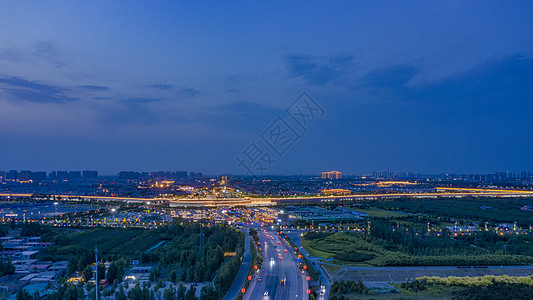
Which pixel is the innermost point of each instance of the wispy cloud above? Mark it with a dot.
(503, 78)
(319, 71)
(140, 100)
(161, 86)
(94, 87)
(388, 77)
(190, 91)
(24, 90)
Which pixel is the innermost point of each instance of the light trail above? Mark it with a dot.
(441, 192)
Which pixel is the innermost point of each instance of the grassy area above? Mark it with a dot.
(124, 242)
(356, 249)
(109, 240)
(328, 248)
(380, 213)
(502, 210)
(311, 247)
(331, 268)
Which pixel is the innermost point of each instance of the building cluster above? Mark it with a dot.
(525, 176)
(213, 215)
(320, 214)
(27, 175)
(499, 228)
(159, 175)
(332, 175)
(23, 253)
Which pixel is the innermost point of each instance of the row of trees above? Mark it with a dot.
(348, 287)
(183, 250)
(384, 247)
(484, 287)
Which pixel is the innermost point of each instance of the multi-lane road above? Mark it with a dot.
(439, 192)
(280, 276)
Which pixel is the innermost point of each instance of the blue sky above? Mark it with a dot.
(130, 85)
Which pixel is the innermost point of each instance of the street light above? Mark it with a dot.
(96, 258)
(113, 210)
(55, 208)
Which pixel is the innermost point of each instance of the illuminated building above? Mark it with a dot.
(335, 192)
(332, 175)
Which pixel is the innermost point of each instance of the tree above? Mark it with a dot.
(120, 294)
(72, 265)
(31, 229)
(208, 292)
(191, 293)
(6, 266)
(170, 294)
(101, 272)
(22, 294)
(152, 276)
(68, 291)
(173, 276)
(87, 274)
(116, 270)
(135, 293)
(181, 292)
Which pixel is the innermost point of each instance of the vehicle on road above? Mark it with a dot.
(266, 293)
(259, 279)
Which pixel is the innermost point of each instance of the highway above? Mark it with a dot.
(439, 192)
(325, 283)
(278, 265)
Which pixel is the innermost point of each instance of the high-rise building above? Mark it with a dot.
(332, 175)
(74, 175)
(90, 175)
(38, 176)
(12, 175)
(24, 175)
(181, 175)
(193, 175)
(62, 175)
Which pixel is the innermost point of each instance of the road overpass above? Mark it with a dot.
(247, 201)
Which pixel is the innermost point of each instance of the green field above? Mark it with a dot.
(501, 209)
(407, 249)
(110, 241)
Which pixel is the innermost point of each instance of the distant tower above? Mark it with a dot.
(202, 240)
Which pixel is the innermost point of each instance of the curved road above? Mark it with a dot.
(235, 288)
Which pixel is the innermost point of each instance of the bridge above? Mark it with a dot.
(247, 201)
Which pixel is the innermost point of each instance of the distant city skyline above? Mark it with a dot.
(428, 87)
(93, 174)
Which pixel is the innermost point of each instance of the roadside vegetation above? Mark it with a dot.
(173, 252)
(422, 237)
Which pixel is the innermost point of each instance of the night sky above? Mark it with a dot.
(414, 86)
